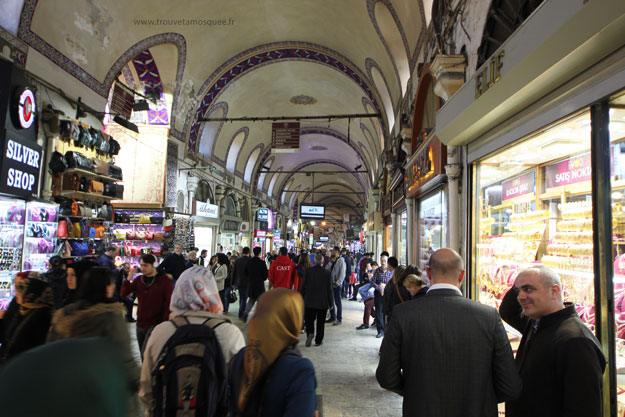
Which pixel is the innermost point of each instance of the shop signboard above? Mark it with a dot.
(425, 167)
(262, 215)
(285, 137)
(570, 171)
(276, 233)
(230, 226)
(206, 210)
(244, 227)
(519, 186)
(270, 220)
(21, 163)
(260, 233)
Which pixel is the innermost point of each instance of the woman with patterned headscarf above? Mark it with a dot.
(26, 325)
(270, 377)
(196, 300)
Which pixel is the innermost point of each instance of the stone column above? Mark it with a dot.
(192, 185)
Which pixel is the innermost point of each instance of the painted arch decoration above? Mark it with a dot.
(269, 54)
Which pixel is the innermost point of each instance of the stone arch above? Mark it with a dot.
(274, 179)
(236, 144)
(425, 92)
(377, 78)
(265, 55)
(322, 161)
(211, 130)
(251, 162)
(375, 125)
(261, 176)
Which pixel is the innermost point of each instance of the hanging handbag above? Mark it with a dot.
(96, 187)
(79, 248)
(232, 298)
(96, 139)
(84, 227)
(100, 167)
(77, 233)
(57, 163)
(78, 160)
(114, 171)
(144, 219)
(120, 234)
(130, 234)
(85, 136)
(140, 235)
(149, 234)
(61, 231)
(114, 146)
(99, 231)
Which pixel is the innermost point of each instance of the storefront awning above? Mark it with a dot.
(559, 41)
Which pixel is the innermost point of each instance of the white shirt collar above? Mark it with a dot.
(444, 286)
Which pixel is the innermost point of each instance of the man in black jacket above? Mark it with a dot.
(318, 297)
(445, 354)
(241, 280)
(257, 274)
(173, 264)
(559, 359)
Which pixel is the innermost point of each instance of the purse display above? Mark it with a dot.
(144, 219)
(131, 234)
(114, 190)
(78, 160)
(95, 187)
(57, 163)
(140, 234)
(62, 229)
(84, 185)
(114, 171)
(100, 167)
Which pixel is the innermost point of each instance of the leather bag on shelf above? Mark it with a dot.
(99, 231)
(114, 190)
(85, 136)
(78, 160)
(71, 182)
(159, 235)
(74, 208)
(85, 211)
(140, 233)
(100, 167)
(61, 231)
(77, 233)
(57, 163)
(96, 187)
(114, 171)
(114, 146)
(84, 185)
(144, 219)
(84, 227)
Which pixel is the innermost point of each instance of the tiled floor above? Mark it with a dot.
(345, 366)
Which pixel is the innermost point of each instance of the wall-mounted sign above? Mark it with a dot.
(24, 107)
(206, 210)
(323, 238)
(519, 186)
(245, 227)
(285, 137)
(262, 215)
(260, 233)
(569, 171)
(487, 78)
(312, 211)
(21, 164)
(276, 233)
(270, 220)
(426, 166)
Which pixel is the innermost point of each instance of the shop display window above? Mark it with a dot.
(432, 226)
(535, 207)
(12, 219)
(402, 253)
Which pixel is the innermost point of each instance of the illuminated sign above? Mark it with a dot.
(427, 165)
(25, 107)
(262, 214)
(19, 174)
(487, 78)
(312, 211)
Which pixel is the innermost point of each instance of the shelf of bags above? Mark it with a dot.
(80, 256)
(79, 195)
(90, 174)
(135, 240)
(48, 223)
(82, 238)
(95, 219)
(140, 224)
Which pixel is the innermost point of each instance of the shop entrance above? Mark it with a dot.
(204, 238)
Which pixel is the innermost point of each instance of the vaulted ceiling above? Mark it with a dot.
(245, 58)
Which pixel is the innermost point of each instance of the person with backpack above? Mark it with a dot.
(269, 377)
(171, 352)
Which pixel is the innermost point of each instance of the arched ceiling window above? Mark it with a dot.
(251, 163)
(229, 206)
(261, 176)
(235, 147)
(378, 80)
(211, 130)
(272, 183)
(395, 43)
(204, 193)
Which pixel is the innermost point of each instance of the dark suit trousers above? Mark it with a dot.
(379, 302)
(242, 300)
(337, 312)
(310, 315)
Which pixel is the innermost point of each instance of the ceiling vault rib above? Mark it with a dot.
(328, 117)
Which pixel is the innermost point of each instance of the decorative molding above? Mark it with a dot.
(261, 56)
(303, 99)
(246, 130)
(370, 63)
(31, 39)
(18, 49)
(147, 71)
(221, 105)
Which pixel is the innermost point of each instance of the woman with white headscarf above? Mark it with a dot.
(196, 298)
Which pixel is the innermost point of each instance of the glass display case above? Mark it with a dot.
(12, 216)
(40, 241)
(432, 226)
(138, 232)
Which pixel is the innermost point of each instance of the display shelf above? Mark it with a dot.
(79, 195)
(91, 174)
(81, 238)
(81, 256)
(96, 219)
(135, 240)
(140, 224)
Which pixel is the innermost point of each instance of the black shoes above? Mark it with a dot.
(130, 319)
(380, 335)
(318, 344)
(329, 321)
(337, 323)
(353, 299)
(309, 339)
(362, 327)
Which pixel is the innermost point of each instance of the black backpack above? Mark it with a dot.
(190, 376)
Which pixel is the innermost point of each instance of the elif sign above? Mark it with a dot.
(206, 210)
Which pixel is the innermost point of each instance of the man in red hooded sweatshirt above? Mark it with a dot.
(282, 271)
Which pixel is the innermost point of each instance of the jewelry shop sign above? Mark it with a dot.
(20, 166)
(206, 210)
(519, 186)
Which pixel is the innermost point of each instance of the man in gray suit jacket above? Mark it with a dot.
(445, 354)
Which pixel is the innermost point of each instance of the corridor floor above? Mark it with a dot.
(345, 367)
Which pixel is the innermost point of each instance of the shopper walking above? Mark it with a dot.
(220, 271)
(241, 280)
(445, 354)
(257, 274)
(318, 296)
(173, 264)
(336, 266)
(300, 270)
(153, 290)
(282, 271)
(381, 277)
(269, 377)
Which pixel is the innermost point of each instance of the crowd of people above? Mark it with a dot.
(444, 353)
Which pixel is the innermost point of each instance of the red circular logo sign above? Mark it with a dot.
(26, 108)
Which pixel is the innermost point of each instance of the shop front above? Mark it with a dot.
(206, 222)
(400, 216)
(547, 183)
(425, 183)
(230, 235)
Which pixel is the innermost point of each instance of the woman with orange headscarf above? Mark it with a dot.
(269, 377)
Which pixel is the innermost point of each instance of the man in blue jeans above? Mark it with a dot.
(380, 278)
(336, 266)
